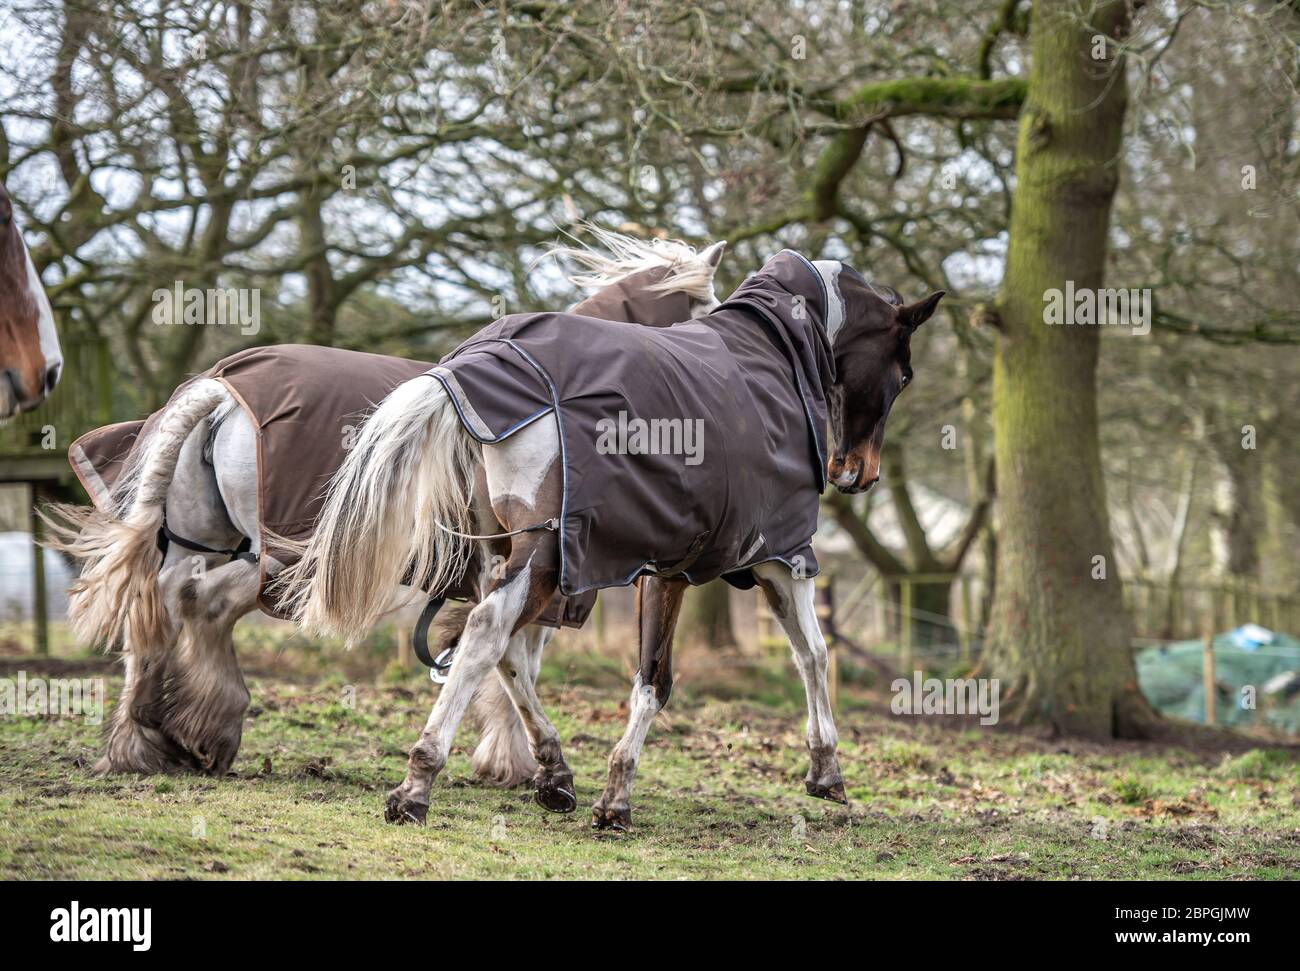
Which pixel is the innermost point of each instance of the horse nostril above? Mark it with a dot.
(52, 376)
(870, 482)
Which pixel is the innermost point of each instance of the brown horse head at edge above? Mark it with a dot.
(30, 358)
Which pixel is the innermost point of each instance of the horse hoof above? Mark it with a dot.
(617, 819)
(401, 810)
(557, 799)
(833, 792)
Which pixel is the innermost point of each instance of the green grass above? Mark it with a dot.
(719, 794)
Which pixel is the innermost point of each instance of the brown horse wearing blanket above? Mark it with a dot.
(197, 508)
(582, 455)
(30, 359)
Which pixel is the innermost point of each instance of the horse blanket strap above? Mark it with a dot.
(420, 639)
(440, 666)
(166, 537)
(552, 524)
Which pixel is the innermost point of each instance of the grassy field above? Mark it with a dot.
(719, 795)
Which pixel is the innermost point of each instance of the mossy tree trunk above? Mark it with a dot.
(1060, 633)
(706, 616)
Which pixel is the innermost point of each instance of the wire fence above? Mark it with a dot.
(871, 622)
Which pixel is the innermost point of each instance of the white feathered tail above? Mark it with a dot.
(411, 469)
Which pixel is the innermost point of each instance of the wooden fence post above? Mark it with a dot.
(905, 625)
(1211, 626)
(404, 651)
(967, 621)
(40, 600)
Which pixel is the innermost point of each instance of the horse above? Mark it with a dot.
(30, 359)
(438, 483)
(195, 476)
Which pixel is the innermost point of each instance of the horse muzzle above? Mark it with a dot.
(16, 395)
(853, 473)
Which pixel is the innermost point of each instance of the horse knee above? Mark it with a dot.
(427, 755)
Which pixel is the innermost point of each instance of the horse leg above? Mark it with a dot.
(136, 740)
(503, 756)
(206, 696)
(794, 603)
(511, 601)
(517, 674)
(133, 738)
(658, 602)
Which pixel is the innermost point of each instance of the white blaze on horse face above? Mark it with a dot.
(829, 271)
(517, 467)
(45, 329)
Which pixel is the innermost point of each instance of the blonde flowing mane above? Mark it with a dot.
(621, 256)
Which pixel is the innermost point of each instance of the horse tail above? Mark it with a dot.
(391, 512)
(117, 594)
(503, 756)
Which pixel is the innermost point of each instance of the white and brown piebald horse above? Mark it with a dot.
(30, 359)
(432, 486)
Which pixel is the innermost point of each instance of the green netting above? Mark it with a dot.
(1171, 676)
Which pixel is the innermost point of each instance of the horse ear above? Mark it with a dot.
(913, 315)
(712, 254)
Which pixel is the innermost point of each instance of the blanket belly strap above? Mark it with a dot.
(440, 666)
(166, 537)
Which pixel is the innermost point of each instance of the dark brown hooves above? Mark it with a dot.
(401, 810)
(557, 799)
(835, 792)
(617, 819)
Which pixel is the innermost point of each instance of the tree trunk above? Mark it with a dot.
(322, 308)
(1236, 519)
(706, 616)
(974, 461)
(1060, 633)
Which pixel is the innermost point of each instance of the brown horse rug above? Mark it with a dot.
(304, 400)
(695, 450)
